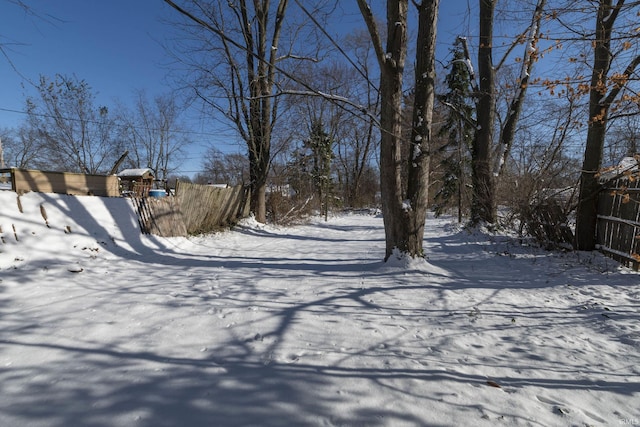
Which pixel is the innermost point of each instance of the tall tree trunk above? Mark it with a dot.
(420, 156)
(531, 55)
(483, 208)
(599, 105)
(586, 216)
(404, 214)
(250, 87)
(258, 172)
(260, 81)
(391, 60)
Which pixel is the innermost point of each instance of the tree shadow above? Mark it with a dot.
(239, 339)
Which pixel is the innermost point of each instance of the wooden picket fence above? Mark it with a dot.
(206, 208)
(618, 226)
(194, 209)
(161, 217)
(77, 184)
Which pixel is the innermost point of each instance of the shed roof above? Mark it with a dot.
(626, 166)
(146, 172)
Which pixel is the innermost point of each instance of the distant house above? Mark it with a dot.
(136, 182)
(285, 190)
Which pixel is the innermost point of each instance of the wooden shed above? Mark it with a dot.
(136, 182)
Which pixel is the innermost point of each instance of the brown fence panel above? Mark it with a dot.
(206, 208)
(160, 216)
(195, 208)
(77, 184)
(618, 227)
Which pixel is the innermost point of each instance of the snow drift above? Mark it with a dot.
(305, 326)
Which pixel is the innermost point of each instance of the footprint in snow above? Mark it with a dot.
(75, 269)
(291, 357)
(563, 408)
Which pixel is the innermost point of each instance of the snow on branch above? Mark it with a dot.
(329, 97)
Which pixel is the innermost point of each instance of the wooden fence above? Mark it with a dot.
(618, 226)
(161, 217)
(194, 209)
(206, 208)
(78, 184)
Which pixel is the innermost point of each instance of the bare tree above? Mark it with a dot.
(74, 133)
(353, 136)
(355, 151)
(223, 168)
(154, 135)
(6, 139)
(358, 140)
(612, 48)
(488, 159)
(404, 204)
(21, 148)
(239, 79)
(539, 182)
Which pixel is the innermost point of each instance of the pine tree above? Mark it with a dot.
(459, 128)
(320, 143)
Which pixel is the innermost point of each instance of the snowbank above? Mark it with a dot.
(303, 326)
(39, 227)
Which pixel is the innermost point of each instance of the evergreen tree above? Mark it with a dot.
(320, 144)
(459, 127)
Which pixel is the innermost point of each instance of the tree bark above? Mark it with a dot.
(420, 156)
(530, 57)
(262, 113)
(404, 213)
(392, 61)
(586, 216)
(483, 208)
(599, 106)
(250, 83)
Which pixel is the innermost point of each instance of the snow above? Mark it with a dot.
(303, 326)
(470, 67)
(501, 154)
(627, 165)
(531, 40)
(417, 148)
(134, 172)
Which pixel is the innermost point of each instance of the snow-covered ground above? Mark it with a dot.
(303, 326)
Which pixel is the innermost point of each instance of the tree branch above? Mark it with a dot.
(616, 90)
(370, 21)
(230, 41)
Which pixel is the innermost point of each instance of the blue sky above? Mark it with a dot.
(116, 46)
